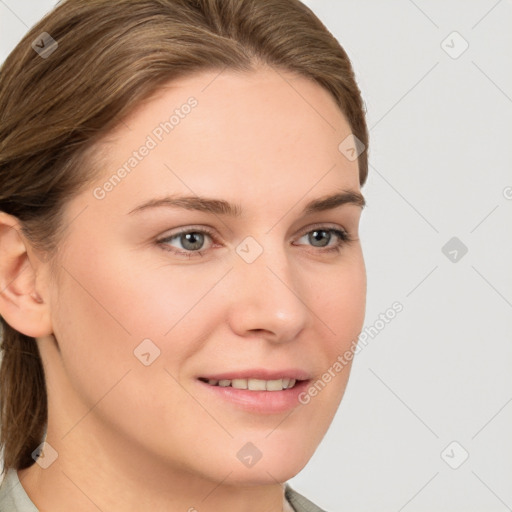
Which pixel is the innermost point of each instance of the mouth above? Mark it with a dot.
(256, 391)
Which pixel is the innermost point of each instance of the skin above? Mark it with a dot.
(134, 437)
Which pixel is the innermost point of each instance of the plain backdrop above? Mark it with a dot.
(426, 419)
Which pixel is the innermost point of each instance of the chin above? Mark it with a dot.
(264, 474)
(276, 458)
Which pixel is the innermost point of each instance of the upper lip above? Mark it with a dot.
(260, 373)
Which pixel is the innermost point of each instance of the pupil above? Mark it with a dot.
(321, 233)
(192, 239)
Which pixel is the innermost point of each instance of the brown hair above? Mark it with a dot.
(110, 57)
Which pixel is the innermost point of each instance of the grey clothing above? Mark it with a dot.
(13, 497)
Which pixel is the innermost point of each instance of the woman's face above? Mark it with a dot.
(143, 315)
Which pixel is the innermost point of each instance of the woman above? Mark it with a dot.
(180, 271)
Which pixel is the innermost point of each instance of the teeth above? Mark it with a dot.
(239, 383)
(255, 384)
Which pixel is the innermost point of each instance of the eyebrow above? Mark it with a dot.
(222, 207)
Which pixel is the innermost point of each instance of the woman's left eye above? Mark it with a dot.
(325, 235)
(193, 240)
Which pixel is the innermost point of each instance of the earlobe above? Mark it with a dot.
(21, 305)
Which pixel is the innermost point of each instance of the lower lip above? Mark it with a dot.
(261, 402)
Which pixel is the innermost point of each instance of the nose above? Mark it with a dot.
(268, 296)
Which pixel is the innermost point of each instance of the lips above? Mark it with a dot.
(267, 391)
(260, 374)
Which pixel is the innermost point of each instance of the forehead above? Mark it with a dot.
(251, 136)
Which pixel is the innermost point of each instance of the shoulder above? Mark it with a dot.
(299, 502)
(13, 497)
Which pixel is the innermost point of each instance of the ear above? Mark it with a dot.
(21, 304)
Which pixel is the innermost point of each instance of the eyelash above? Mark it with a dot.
(343, 239)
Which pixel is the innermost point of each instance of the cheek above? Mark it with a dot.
(125, 293)
(339, 300)
(105, 309)
(341, 305)
(110, 302)
(92, 331)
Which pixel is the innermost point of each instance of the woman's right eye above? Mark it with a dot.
(190, 240)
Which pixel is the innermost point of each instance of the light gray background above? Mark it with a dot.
(440, 164)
